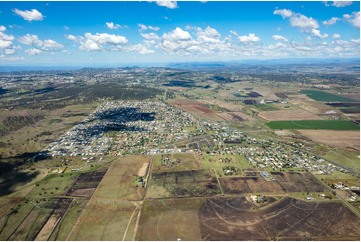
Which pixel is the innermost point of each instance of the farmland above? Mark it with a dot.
(237, 219)
(325, 96)
(192, 162)
(288, 115)
(335, 138)
(314, 124)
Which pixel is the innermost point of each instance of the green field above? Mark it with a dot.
(325, 96)
(266, 107)
(314, 124)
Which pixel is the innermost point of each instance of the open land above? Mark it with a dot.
(341, 139)
(167, 154)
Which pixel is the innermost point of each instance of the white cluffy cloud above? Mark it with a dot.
(339, 4)
(107, 42)
(143, 27)
(251, 37)
(167, 4)
(111, 25)
(43, 45)
(279, 37)
(336, 36)
(97, 41)
(353, 18)
(5, 40)
(331, 21)
(29, 15)
(317, 33)
(303, 23)
(33, 51)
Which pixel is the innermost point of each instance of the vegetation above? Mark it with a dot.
(325, 96)
(314, 124)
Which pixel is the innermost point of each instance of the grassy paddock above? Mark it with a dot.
(325, 96)
(314, 124)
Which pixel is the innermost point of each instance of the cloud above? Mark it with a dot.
(141, 49)
(6, 40)
(251, 37)
(338, 4)
(111, 25)
(336, 36)
(279, 37)
(97, 42)
(143, 27)
(150, 36)
(331, 21)
(71, 37)
(44, 45)
(153, 28)
(11, 58)
(304, 23)
(317, 33)
(233, 32)
(29, 15)
(167, 4)
(33, 51)
(353, 19)
(66, 27)
(285, 13)
(177, 34)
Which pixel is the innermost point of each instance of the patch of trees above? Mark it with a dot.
(12, 123)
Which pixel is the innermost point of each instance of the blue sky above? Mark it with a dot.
(92, 33)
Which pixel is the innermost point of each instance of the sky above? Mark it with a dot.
(102, 33)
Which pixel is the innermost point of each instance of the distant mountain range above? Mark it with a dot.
(197, 65)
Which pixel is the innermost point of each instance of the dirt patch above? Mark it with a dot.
(298, 182)
(341, 139)
(279, 115)
(185, 183)
(58, 212)
(235, 116)
(239, 185)
(287, 219)
(86, 192)
(284, 182)
(196, 108)
(86, 183)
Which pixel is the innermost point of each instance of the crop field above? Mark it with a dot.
(284, 182)
(335, 138)
(103, 219)
(285, 219)
(112, 210)
(314, 124)
(235, 116)
(183, 184)
(170, 219)
(278, 115)
(266, 107)
(325, 96)
(196, 108)
(66, 224)
(58, 212)
(117, 182)
(86, 183)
